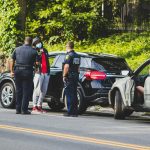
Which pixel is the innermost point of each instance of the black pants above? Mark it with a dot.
(71, 94)
(24, 89)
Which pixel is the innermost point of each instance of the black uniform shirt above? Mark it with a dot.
(25, 56)
(73, 60)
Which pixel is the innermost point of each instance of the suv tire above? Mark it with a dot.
(7, 95)
(82, 106)
(118, 106)
(55, 106)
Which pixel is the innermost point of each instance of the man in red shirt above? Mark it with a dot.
(41, 78)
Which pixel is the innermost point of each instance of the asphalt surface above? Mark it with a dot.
(91, 131)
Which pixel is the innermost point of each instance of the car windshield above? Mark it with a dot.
(110, 64)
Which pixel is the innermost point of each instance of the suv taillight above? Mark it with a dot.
(95, 75)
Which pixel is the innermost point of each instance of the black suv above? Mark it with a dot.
(97, 74)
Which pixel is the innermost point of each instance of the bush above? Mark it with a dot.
(8, 27)
(135, 48)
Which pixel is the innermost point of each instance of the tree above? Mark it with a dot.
(22, 14)
(59, 20)
(9, 25)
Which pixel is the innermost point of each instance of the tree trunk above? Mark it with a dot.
(23, 12)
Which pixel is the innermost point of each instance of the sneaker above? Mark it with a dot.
(41, 110)
(35, 110)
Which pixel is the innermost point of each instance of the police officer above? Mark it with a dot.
(70, 79)
(23, 60)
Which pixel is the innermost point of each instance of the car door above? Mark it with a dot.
(55, 84)
(129, 91)
(143, 80)
(147, 92)
(145, 77)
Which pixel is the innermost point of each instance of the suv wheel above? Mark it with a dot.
(82, 106)
(118, 106)
(7, 95)
(55, 106)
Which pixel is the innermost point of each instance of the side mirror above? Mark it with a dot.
(125, 72)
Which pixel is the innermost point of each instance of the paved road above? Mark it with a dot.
(53, 131)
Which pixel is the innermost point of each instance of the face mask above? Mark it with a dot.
(39, 45)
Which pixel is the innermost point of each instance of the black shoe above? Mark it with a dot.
(74, 115)
(66, 115)
(26, 113)
(18, 112)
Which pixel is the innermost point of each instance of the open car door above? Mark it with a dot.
(129, 91)
(144, 72)
(147, 92)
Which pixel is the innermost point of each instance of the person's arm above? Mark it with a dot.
(12, 64)
(37, 63)
(37, 67)
(66, 67)
(66, 70)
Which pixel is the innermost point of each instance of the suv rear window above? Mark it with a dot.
(59, 61)
(85, 62)
(109, 64)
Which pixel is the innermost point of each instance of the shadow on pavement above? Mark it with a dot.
(99, 114)
(87, 113)
(135, 118)
(139, 119)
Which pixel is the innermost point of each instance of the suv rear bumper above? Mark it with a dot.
(99, 98)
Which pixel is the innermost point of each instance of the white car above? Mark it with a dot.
(131, 93)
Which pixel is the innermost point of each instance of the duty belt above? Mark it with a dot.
(23, 67)
(73, 73)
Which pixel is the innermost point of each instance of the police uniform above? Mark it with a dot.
(70, 85)
(24, 57)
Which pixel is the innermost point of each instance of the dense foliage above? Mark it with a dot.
(87, 22)
(8, 25)
(132, 46)
(60, 20)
